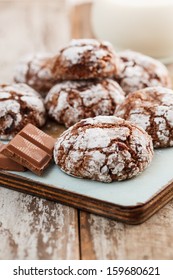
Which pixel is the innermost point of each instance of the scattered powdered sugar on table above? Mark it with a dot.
(104, 148)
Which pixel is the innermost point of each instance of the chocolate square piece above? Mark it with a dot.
(32, 148)
(39, 138)
(7, 163)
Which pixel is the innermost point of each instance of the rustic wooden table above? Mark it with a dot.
(33, 228)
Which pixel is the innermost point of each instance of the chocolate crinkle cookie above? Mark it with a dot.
(36, 71)
(104, 148)
(152, 109)
(139, 71)
(86, 59)
(19, 105)
(70, 101)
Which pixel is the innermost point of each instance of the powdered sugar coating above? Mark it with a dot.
(152, 109)
(19, 105)
(69, 102)
(36, 71)
(139, 71)
(104, 148)
(86, 59)
(79, 42)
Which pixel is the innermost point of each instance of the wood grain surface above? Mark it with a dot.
(107, 239)
(103, 238)
(33, 228)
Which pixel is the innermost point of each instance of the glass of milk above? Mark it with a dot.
(141, 25)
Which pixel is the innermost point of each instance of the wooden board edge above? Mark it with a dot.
(130, 214)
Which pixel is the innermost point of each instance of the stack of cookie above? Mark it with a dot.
(116, 105)
(149, 97)
(82, 72)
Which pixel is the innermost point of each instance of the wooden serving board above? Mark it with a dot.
(132, 201)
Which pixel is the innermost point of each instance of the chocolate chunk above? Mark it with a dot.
(32, 148)
(7, 163)
(39, 138)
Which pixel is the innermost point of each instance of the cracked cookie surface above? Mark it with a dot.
(86, 59)
(104, 148)
(140, 71)
(19, 105)
(152, 109)
(70, 101)
(36, 71)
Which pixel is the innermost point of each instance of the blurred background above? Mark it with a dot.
(46, 25)
(36, 25)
